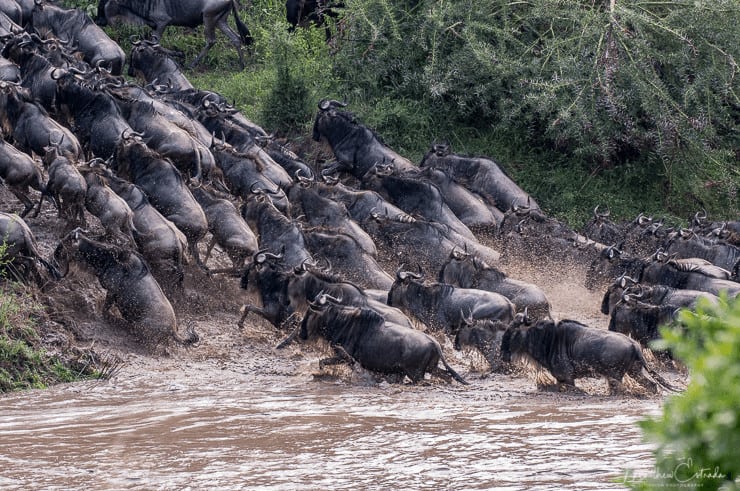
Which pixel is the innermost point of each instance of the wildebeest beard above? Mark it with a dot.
(525, 359)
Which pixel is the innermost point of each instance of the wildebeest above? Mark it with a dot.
(158, 14)
(66, 187)
(347, 257)
(275, 231)
(419, 241)
(301, 11)
(611, 264)
(327, 213)
(569, 350)
(639, 320)
(361, 204)
(228, 229)
(165, 188)
(467, 271)
(153, 63)
(21, 250)
(129, 285)
(286, 291)
(191, 157)
(486, 338)
(443, 307)
(415, 196)
(18, 172)
(98, 121)
(356, 147)
(687, 244)
(113, 212)
(480, 175)
(246, 175)
(652, 294)
(76, 27)
(31, 127)
(601, 229)
(161, 243)
(363, 335)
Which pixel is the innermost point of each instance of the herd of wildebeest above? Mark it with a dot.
(162, 167)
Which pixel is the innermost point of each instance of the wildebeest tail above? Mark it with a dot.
(656, 376)
(660, 380)
(450, 370)
(244, 33)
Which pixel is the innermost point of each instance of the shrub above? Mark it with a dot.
(620, 84)
(698, 434)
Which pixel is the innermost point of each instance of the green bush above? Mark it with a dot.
(621, 84)
(698, 434)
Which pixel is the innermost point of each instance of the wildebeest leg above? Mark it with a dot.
(193, 248)
(615, 386)
(109, 302)
(341, 357)
(209, 249)
(23, 197)
(209, 29)
(251, 308)
(294, 320)
(233, 37)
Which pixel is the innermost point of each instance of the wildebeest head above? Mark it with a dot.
(514, 340)
(608, 265)
(262, 262)
(614, 292)
(331, 123)
(318, 316)
(67, 250)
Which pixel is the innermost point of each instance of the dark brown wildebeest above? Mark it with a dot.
(571, 350)
(129, 285)
(363, 335)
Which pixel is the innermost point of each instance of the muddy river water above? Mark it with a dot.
(228, 428)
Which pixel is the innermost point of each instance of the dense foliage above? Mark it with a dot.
(698, 434)
(649, 89)
(628, 103)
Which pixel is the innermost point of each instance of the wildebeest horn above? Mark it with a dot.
(321, 299)
(255, 189)
(403, 275)
(325, 104)
(262, 255)
(56, 74)
(467, 320)
(624, 279)
(699, 217)
(642, 220)
(603, 214)
(301, 179)
(459, 255)
(627, 297)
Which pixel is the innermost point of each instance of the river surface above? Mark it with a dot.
(230, 429)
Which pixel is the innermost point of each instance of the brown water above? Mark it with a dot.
(227, 428)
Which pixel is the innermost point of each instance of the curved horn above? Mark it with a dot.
(603, 214)
(699, 217)
(254, 189)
